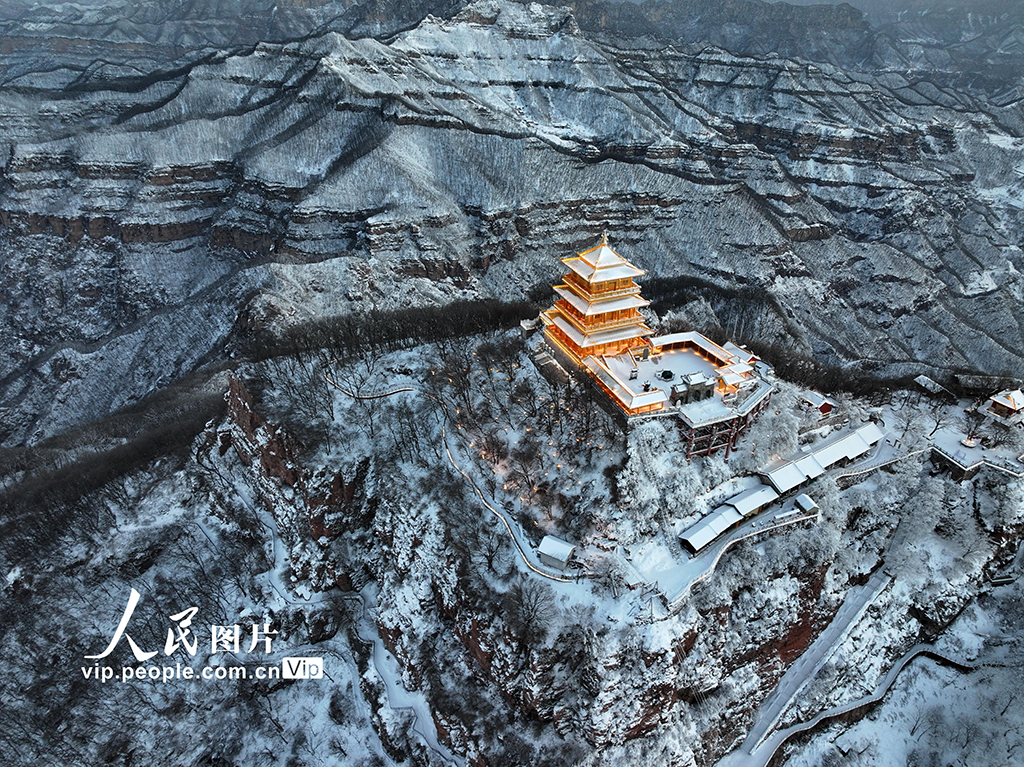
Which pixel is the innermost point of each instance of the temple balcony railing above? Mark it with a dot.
(585, 326)
(612, 324)
(630, 290)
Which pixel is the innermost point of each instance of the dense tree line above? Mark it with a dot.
(46, 484)
(387, 330)
(666, 293)
(808, 371)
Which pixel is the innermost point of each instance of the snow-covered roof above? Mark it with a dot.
(754, 396)
(809, 466)
(817, 399)
(556, 548)
(598, 306)
(600, 264)
(705, 412)
(1012, 399)
(805, 503)
(680, 340)
(714, 409)
(604, 274)
(752, 500)
(725, 518)
(848, 446)
(600, 337)
(743, 355)
(681, 363)
(699, 535)
(730, 377)
(787, 474)
(601, 256)
(870, 433)
(629, 398)
(950, 444)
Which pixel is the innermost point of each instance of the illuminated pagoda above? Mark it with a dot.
(596, 326)
(598, 307)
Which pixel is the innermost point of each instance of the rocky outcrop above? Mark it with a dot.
(644, 688)
(310, 506)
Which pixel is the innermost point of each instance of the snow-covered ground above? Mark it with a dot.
(939, 714)
(397, 537)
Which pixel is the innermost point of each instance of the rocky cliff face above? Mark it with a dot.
(146, 220)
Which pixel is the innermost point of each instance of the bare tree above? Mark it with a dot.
(529, 606)
(362, 377)
(975, 420)
(939, 415)
(524, 461)
(907, 419)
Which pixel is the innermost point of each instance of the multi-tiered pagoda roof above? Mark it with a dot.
(598, 307)
(596, 326)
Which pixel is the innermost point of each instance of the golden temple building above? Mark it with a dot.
(598, 307)
(596, 327)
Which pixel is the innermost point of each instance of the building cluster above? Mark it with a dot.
(714, 392)
(964, 456)
(596, 326)
(781, 477)
(837, 450)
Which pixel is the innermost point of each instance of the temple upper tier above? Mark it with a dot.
(598, 307)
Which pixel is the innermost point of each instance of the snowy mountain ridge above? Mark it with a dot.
(329, 175)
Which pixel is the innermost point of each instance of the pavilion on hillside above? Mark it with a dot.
(1006, 407)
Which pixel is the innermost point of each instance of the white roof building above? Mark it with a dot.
(806, 504)
(741, 354)
(786, 474)
(783, 475)
(751, 501)
(1014, 400)
(596, 324)
(554, 552)
(699, 535)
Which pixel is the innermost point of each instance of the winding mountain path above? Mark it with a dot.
(809, 663)
(513, 529)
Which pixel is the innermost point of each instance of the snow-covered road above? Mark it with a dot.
(808, 664)
(763, 753)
